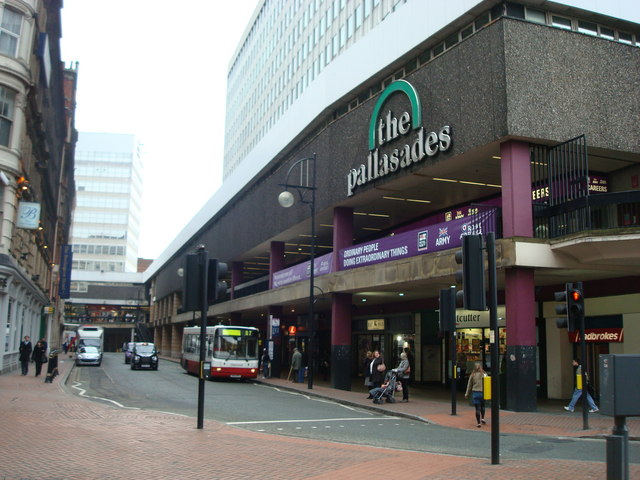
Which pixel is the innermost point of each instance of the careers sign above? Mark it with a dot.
(397, 142)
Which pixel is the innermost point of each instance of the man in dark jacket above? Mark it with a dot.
(25, 354)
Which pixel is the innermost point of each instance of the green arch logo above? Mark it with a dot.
(410, 92)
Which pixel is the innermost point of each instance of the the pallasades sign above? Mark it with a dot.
(387, 128)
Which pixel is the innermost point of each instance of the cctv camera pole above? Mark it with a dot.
(203, 263)
(494, 339)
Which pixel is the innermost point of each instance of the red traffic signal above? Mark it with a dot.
(572, 309)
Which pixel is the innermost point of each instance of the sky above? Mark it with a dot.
(159, 72)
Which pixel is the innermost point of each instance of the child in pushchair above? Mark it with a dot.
(386, 390)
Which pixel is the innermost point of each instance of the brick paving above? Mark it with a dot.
(50, 434)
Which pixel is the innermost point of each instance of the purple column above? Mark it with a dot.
(276, 260)
(236, 276)
(517, 221)
(515, 169)
(342, 232)
(341, 341)
(520, 306)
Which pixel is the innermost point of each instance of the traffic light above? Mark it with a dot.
(471, 257)
(216, 287)
(448, 309)
(192, 283)
(572, 308)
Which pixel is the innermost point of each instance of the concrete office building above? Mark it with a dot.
(106, 222)
(106, 284)
(446, 118)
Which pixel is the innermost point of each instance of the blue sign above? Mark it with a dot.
(66, 258)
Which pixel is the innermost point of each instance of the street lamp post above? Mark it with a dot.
(307, 183)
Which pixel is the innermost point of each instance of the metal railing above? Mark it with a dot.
(604, 211)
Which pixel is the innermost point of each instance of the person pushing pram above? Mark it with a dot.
(386, 390)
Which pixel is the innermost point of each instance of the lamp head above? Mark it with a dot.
(286, 199)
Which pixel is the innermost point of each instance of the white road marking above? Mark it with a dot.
(82, 393)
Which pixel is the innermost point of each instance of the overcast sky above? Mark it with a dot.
(157, 69)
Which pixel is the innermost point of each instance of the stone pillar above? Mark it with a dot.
(517, 220)
(342, 232)
(176, 340)
(341, 341)
(276, 260)
(157, 339)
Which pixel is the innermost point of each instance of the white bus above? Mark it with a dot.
(90, 335)
(232, 351)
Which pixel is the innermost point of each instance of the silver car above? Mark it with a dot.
(88, 355)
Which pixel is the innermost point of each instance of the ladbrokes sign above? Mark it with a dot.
(397, 142)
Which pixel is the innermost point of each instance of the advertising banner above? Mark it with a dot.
(322, 265)
(432, 238)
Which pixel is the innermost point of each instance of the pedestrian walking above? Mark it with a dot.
(39, 356)
(403, 371)
(577, 392)
(476, 388)
(265, 363)
(296, 364)
(25, 354)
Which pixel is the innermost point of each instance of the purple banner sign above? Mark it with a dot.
(427, 239)
(321, 265)
(431, 238)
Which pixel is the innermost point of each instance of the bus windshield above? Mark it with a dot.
(235, 344)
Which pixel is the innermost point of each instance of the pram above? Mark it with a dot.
(386, 391)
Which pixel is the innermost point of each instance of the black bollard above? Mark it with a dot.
(52, 366)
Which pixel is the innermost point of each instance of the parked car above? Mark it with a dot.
(144, 355)
(88, 355)
(127, 348)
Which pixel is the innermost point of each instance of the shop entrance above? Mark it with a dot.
(367, 343)
(472, 345)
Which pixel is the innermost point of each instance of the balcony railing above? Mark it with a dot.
(602, 211)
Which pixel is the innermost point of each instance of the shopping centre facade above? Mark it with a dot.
(525, 129)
